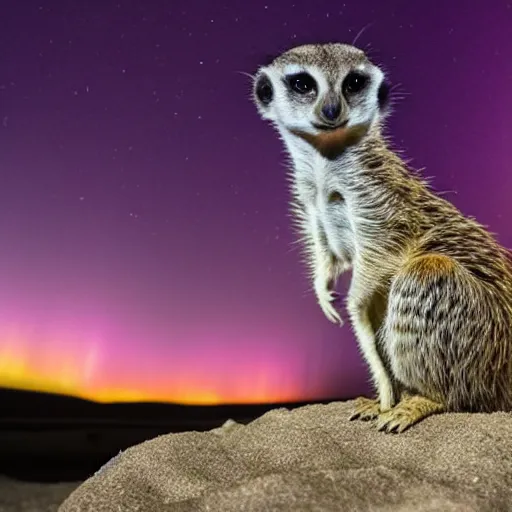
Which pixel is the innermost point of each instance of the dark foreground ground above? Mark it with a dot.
(50, 443)
(16, 496)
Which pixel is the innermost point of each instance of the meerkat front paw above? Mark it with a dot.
(365, 409)
(325, 298)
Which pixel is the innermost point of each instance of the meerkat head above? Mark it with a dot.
(325, 94)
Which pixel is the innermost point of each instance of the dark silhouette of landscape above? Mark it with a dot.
(50, 437)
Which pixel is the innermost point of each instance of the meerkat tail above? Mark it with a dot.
(409, 411)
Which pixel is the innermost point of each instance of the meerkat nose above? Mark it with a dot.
(331, 111)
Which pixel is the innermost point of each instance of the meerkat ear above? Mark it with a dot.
(383, 94)
(264, 90)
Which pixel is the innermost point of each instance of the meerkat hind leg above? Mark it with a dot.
(409, 411)
(428, 283)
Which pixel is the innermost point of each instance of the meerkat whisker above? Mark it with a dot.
(361, 32)
(244, 73)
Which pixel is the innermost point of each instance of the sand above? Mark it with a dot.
(312, 459)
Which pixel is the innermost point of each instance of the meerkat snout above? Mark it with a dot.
(330, 110)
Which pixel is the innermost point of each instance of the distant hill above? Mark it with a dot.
(50, 437)
(25, 407)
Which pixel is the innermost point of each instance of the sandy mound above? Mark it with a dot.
(312, 459)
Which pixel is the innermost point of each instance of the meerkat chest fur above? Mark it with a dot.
(339, 198)
(325, 202)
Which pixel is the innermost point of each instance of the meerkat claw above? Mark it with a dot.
(392, 424)
(407, 413)
(365, 409)
(325, 300)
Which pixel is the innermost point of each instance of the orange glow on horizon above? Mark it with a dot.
(66, 369)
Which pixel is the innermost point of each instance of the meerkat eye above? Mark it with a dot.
(301, 83)
(264, 90)
(354, 82)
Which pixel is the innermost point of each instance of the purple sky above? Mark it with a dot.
(143, 205)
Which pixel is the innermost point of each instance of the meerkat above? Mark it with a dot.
(430, 298)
